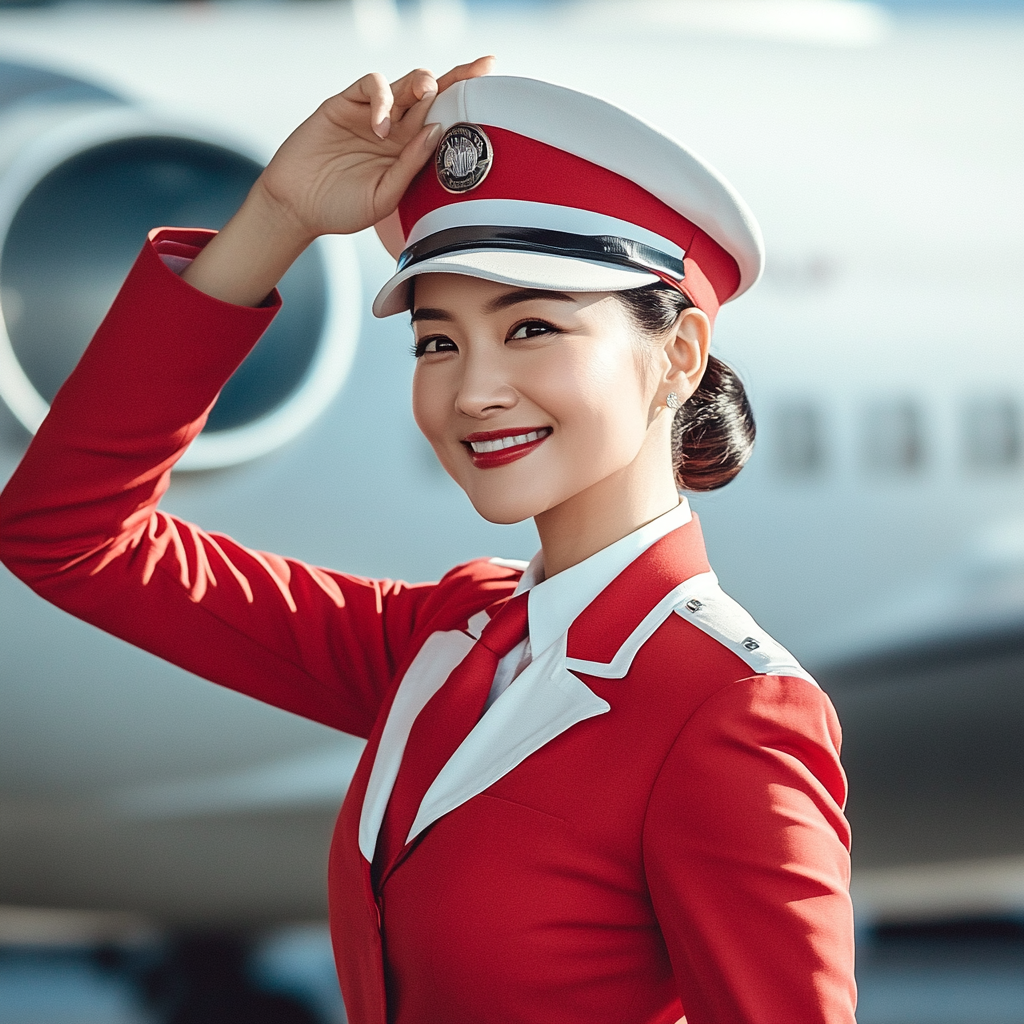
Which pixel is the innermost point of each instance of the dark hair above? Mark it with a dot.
(713, 433)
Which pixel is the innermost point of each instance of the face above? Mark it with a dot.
(529, 398)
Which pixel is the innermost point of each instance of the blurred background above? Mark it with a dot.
(162, 842)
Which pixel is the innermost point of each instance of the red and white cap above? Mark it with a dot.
(541, 186)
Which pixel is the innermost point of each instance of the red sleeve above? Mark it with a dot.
(747, 857)
(79, 521)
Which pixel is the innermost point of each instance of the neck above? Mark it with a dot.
(607, 511)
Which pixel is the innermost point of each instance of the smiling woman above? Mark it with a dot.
(593, 789)
(495, 362)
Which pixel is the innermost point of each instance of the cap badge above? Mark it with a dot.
(463, 158)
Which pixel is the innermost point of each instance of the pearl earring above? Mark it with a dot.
(672, 401)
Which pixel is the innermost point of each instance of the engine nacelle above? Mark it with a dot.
(84, 174)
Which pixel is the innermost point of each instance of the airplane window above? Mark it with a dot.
(894, 437)
(75, 236)
(800, 447)
(992, 434)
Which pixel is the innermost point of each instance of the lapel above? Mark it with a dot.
(423, 678)
(544, 701)
(547, 698)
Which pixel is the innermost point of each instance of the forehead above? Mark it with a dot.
(456, 288)
(461, 294)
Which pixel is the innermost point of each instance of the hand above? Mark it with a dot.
(342, 170)
(346, 167)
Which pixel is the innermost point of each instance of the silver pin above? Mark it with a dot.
(694, 605)
(751, 644)
(464, 157)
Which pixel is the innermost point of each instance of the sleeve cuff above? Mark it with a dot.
(178, 247)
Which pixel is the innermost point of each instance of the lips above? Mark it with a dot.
(491, 448)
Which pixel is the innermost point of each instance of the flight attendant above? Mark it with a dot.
(594, 790)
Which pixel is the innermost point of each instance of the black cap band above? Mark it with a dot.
(611, 249)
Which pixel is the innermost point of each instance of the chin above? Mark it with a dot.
(503, 512)
(514, 493)
(507, 504)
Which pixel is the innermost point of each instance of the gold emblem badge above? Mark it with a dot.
(464, 157)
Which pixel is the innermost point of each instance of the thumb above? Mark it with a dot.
(397, 178)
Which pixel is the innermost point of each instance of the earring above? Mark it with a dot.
(672, 401)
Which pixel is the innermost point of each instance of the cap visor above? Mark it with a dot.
(525, 269)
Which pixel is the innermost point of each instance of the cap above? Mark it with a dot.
(541, 186)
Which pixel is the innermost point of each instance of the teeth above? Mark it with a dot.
(508, 442)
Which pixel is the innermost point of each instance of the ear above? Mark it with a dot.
(686, 354)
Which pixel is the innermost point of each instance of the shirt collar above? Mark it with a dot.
(554, 603)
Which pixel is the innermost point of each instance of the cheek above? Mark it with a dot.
(430, 410)
(433, 406)
(428, 406)
(598, 399)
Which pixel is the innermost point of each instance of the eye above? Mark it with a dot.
(531, 329)
(435, 343)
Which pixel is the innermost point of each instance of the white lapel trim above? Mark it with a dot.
(623, 660)
(424, 677)
(544, 701)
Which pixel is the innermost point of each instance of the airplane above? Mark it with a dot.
(878, 531)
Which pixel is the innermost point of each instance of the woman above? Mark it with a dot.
(594, 790)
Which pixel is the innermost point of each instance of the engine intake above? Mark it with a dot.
(83, 176)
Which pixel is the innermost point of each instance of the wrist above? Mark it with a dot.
(275, 221)
(244, 262)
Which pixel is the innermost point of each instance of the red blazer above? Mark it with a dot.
(652, 825)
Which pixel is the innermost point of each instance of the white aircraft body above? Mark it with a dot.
(878, 531)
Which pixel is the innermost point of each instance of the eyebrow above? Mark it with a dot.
(501, 302)
(428, 313)
(524, 295)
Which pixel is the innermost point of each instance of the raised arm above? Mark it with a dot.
(79, 520)
(342, 170)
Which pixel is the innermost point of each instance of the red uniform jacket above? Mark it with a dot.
(647, 823)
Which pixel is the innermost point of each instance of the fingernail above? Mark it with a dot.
(382, 130)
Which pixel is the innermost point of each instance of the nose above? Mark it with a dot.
(484, 388)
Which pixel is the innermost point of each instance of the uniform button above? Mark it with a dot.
(694, 605)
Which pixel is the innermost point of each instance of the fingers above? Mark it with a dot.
(374, 90)
(408, 91)
(418, 89)
(397, 178)
(478, 67)
(413, 119)
(388, 104)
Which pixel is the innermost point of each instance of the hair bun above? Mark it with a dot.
(713, 433)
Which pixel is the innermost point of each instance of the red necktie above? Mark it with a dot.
(444, 723)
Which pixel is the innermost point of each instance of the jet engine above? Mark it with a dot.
(84, 174)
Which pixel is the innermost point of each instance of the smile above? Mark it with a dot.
(499, 447)
(496, 444)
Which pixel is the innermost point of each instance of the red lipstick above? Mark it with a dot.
(500, 447)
